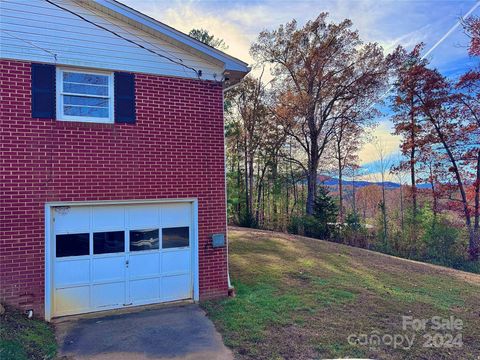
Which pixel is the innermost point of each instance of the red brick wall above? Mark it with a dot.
(175, 150)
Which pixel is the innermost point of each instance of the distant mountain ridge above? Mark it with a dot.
(333, 182)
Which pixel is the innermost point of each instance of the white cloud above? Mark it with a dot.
(408, 40)
(383, 134)
(185, 16)
(250, 16)
(189, 16)
(377, 177)
(389, 23)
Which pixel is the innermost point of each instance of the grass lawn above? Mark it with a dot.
(25, 339)
(299, 298)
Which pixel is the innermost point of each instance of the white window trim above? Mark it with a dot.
(90, 119)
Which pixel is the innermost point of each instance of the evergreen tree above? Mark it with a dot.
(325, 212)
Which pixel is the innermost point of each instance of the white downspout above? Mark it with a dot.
(230, 287)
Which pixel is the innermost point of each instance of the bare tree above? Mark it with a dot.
(248, 99)
(400, 176)
(347, 140)
(383, 165)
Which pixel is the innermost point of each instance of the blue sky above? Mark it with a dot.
(388, 22)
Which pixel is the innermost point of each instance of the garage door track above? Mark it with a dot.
(180, 332)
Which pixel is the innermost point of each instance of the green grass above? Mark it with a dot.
(253, 310)
(25, 339)
(299, 298)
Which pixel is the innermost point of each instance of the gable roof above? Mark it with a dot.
(234, 69)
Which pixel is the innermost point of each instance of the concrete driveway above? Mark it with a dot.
(178, 332)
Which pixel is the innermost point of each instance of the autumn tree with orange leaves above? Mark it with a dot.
(439, 115)
(324, 73)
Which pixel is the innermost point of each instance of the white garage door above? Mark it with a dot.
(107, 257)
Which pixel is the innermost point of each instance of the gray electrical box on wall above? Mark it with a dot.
(218, 240)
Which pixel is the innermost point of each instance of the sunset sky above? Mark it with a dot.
(390, 23)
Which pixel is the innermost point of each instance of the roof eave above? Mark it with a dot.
(230, 63)
(232, 78)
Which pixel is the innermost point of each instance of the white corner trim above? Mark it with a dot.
(48, 264)
(196, 251)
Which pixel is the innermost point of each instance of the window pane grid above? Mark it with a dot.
(72, 245)
(88, 84)
(114, 241)
(91, 112)
(87, 106)
(80, 76)
(85, 89)
(85, 100)
(145, 239)
(108, 242)
(85, 96)
(175, 237)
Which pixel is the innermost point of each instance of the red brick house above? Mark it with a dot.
(112, 159)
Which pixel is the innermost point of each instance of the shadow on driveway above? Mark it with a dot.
(180, 332)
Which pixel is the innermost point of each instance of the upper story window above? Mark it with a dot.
(85, 96)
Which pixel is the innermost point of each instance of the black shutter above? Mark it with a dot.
(124, 98)
(43, 91)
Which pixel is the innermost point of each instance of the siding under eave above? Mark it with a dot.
(34, 30)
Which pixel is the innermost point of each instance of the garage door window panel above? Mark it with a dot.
(108, 242)
(72, 245)
(175, 237)
(143, 240)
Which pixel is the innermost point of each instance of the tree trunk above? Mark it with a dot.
(295, 195)
(340, 188)
(239, 182)
(259, 197)
(266, 204)
(275, 191)
(477, 198)
(472, 243)
(354, 200)
(412, 158)
(294, 187)
(247, 193)
(259, 204)
(313, 159)
(384, 209)
(434, 191)
(311, 190)
(434, 195)
(287, 197)
(402, 216)
(260, 180)
(250, 183)
(312, 180)
(476, 225)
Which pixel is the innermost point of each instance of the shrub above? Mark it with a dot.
(354, 232)
(247, 220)
(320, 225)
(295, 225)
(440, 239)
